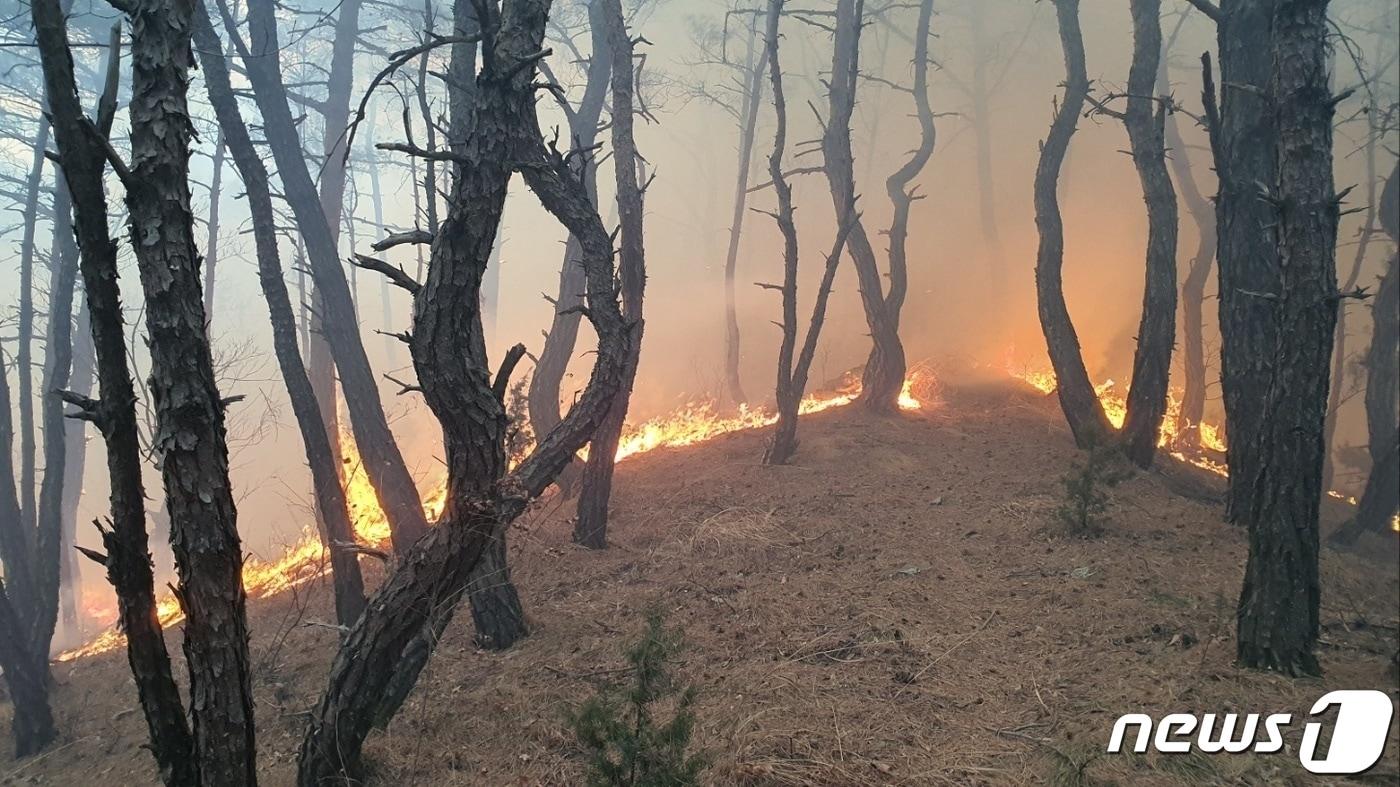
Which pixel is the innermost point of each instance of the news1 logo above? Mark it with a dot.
(1358, 736)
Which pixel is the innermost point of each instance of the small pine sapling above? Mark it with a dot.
(618, 730)
(1086, 490)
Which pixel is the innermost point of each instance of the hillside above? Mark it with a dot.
(897, 607)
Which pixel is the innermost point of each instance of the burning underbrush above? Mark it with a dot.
(307, 559)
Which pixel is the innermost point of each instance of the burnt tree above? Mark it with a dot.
(384, 464)
(883, 377)
(591, 524)
(337, 533)
(1147, 394)
(558, 348)
(1077, 398)
(1243, 129)
(127, 557)
(1278, 607)
(1381, 497)
(482, 496)
(794, 364)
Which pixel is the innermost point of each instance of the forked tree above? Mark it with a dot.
(1156, 334)
(218, 747)
(591, 524)
(795, 364)
(337, 533)
(883, 377)
(483, 495)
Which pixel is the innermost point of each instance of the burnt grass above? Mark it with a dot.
(898, 606)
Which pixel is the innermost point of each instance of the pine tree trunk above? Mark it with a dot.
(211, 247)
(330, 497)
(24, 352)
(748, 129)
(127, 558)
(1248, 257)
(591, 526)
(1278, 608)
(384, 464)
(1152, 360)
(1077, 398)
(27, 676)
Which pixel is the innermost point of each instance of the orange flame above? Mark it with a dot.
(307, 559)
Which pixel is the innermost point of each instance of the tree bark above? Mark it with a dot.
(189, 435)
(384, 464)
(211, 251)
(27, 676)
(24, 352)
(127, 558)
(1193, 288)
(792, 374)
(1077, 397)
(591, 525)
(748, 129)
(1243, 142)
(325, 476)
(74, 466)
(449, 356)
(546, 381)
(1278, 608)
(883, 377)
(1152, 360)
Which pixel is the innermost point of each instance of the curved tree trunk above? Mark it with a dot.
(748, 129)
(1193, 288)
(384, 464)
(127, 558)
(883, 376)
(547, 379)
(591, 525)
(1077, 398)
(325, 476)
(449, 356)
(1147, 397)
(1278, 607)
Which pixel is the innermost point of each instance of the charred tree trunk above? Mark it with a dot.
(211, 250)
(1339, 350)
(792, 374)
(558, 349)
(748, 129)
(338, 532)
(189, 438)
(1077, 398)
(1243, 133)
(1193, 289)
(384, 464)
(27, 676)
(48, 554)
(24, 353)
(591, 525)
(1381, 498)
(74, 466)
(449, 355)
(127, 558)
(1147, 398)
(883, 377)
(1278, 608)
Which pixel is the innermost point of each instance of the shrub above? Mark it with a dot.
(1086, 497)
(618, 729)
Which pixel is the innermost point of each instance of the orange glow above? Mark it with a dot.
(307, 558)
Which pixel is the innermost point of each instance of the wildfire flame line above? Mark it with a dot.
(307, 559)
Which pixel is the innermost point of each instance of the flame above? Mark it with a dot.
(307, 559)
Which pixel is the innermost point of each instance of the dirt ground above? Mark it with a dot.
(896, 607)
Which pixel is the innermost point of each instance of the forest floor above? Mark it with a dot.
(898, 606)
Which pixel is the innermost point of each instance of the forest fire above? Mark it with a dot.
(1210, 437)
(306, 559)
